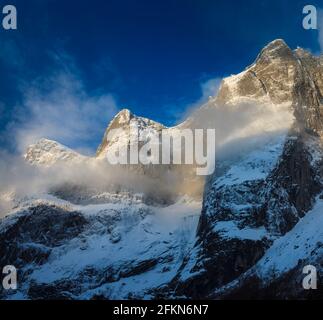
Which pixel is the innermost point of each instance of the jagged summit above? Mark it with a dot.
(123, 116)
(123, 120)
(47, 152)
(274, 49)
(281, 77)
(270, 79)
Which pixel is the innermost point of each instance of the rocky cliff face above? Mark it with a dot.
(280, 75)
(242, 217)
(125, 120)
(259, 224)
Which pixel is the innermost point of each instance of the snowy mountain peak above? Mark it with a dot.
(274, 49)
(281, 77)
(123, 120)
(124, 116)
(48, 152)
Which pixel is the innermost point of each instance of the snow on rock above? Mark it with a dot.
(303, 242)
(126, 121)
(231, 230)
(254, 165)
(123, 250)
(258, 212)
(48, 152)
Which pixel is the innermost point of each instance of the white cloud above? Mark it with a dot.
(210, 88)
(58, 107)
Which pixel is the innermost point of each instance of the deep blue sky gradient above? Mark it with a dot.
(152, 56)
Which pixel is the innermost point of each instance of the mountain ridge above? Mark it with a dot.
(253, 205)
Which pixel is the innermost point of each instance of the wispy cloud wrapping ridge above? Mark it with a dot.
(62, 110)
(58, 106)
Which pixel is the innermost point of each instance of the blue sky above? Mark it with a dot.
(72, 64)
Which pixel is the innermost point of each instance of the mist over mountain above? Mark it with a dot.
(161, 231)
